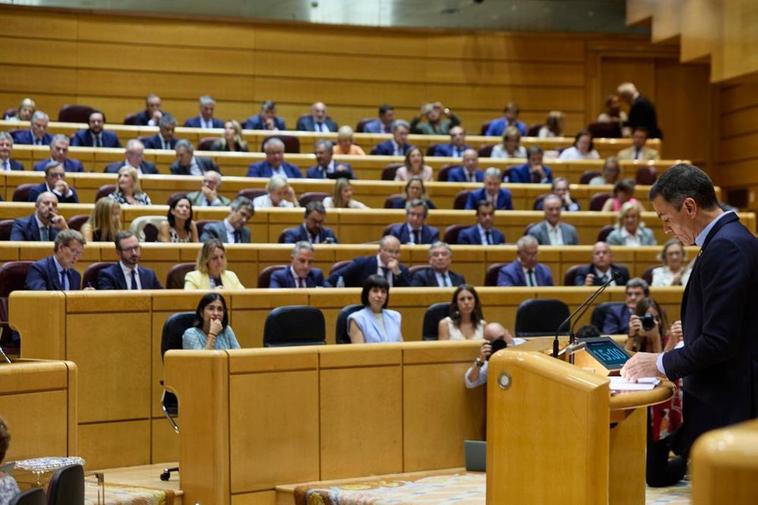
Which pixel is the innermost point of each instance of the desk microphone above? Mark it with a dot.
(579, 312)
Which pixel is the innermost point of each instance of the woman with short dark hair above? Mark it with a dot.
(211, 329)
(375, 323)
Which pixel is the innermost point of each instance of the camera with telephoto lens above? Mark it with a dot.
(648, 322)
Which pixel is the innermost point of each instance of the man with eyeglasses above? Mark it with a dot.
(43, 225)
(127, 274)
(56, 272)
(414, 230)
(208, 196)
(55, 182)
(386, 263)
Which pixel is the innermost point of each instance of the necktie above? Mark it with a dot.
(64, 277)
(134, 279)
(636, 154)
(446, 280)
(237, 237)
(6, 165)
(386, 272)
(488, 234)
(532, 281)
(44, 234)
(301, 282)
(416, 236)
(98, 141)
(314, 238)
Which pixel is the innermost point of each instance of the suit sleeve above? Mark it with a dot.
(404, 279)
(504, 278)
(580, 276)
(154, 282)
(274, 281)
(209, 232)
(105, 279)
(36, 279)
(419, 280)
(77, 140)
(464, 238)
(17, 231)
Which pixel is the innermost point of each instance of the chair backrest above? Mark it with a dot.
(388, 228)
(339, 265)
(588, 175)
(6, 226)
(75, 113)
(648, 275)
(444, 174)
(76, 222)
(21, 193)
(206, 143)
(291, 143)
(293, 325)
(537, 317)
(175, 276)
(486, 151)
(413, 270)
(89, 278)
(534, 130)
(311, 196)
(539, 202)
(452, 232)
(394, 202)
(430, 149)
(490, 278)
(34, 496)
(389, 171)
(598, 314)
(67, 486)
(131, 119)
(10, 112)
(461, 198)
(104, 191)
(362, 124)
(432, 317)
(200, 225)
(599, 129)
(598, 200)
(568, 277)
(173, 329)
(341, 335)
(606, 230)
(484, 128)
(526, 228)
(251, 193)
(139, 225)
(646, 176)
(264, 277)
(176, 196)
(13, 276)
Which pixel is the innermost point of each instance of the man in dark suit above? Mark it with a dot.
(483, 232)
(43, 225)
(498, 126)
(274, 163)
(491, 192)
(59, 153)
(205, 119)
(457, 145)
(37, 135)
(152, 114)
(188, 164)
(135, 157)
(266, 120)
(386, 263)
(6, 150)
(414, 230)
(95, 135)
(641, 111)
(719, 360)
(56, 272)
(382, 124)
(318, 121)
(524, 270)
(127, 274)
(300, 273)
(232, 229)
(602, 266)
(165, 138)
(326, 167)
(55, 182)
(616, 317)
(470, 171)
(312, 230)
(438, 275)
(531, 172)
(552, 231)
(398, 145)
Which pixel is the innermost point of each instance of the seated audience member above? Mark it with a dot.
(300, 273)
(37, 134)
(511, 146)
(129, 191)
(95, 135)
(152, 114)
(531, 172)
(8, 486)
(612, 112)
(344, 144)
(583, 148)
(135, 157)
(312, 229)
(232, 229)
(209, 195)
(601, 269)
(211, 329)
(6, 150)
(188, 164)
(59, 153)
(386, 263)
(414, 230)
(616, 318)
(43, 225)
(178, 228)
(56, 272)
(524, 270)
(491, 192)
(24, 111)
(498, 126)
(398, 145)
(127, 274)
(610, 174)
(317, 121)
(266, 119)
(483, 232)
(165, 138)
(210, 269)
(561, 189)
(342, 198)
(553, 126)
(638, 151)
(439, 274)
(274, 163)
(382, 124)
(630, 230)
(414, 166)
(476, 375)
(279, 193)
(414, 190)
(552, 231)
(456, 147)
(674, 271)
(375, 323)
(623, 192)
(435, 119)
(326, 167)
(466, 319)
(205, 119)
(104, 221)
(55, 182)
(232, 139)
(469, 171)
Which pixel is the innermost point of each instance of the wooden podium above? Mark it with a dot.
(556, 435)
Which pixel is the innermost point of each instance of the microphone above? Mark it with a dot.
(579, 312)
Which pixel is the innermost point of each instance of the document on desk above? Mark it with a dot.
(642, 384)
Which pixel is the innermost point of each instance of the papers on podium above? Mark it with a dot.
(642, 384)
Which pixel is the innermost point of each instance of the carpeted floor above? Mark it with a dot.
(681, 494)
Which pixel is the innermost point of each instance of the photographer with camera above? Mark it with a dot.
(435, 119)
(496, 337)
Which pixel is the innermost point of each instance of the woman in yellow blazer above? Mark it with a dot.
(210, 269)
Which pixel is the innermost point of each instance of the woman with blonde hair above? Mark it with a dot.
(511, 146)
(104, 221)
(675, 270)
(630, 230)
(342, 197)
(129, 191)
(210, 269)
(344, 144)
(232, 140)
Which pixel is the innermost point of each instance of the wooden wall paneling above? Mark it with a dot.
(700, 27)
(119, 443)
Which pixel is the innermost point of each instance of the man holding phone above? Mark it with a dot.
(43, 225)
(496, 337)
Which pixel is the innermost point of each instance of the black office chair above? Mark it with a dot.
(599, 312)
(341, 335)
(67, 486)
(89, 279)
(6, 226)
(175, 276)
(293, 325)
(540, 317)
(432, 317)
(34, 496)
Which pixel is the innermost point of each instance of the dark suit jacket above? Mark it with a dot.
(387, 148)
(503, 199)
(41, 188)
(520, 174)
(256, 123)
(307, 124)
(513, 275)
(292, 235)
(154, 142)
(315, 172)
(471, 236)
(447, 150)
(376, 126)
(145, 166)
(26, 137)
(143, 118)
(42, 276)
(361, 268)
(458, 174)
(582, 273)
(284, 279)
(204, 164)
(264, 169)
(69, 165)
(429, 234)
(15, 165)
(425, 277)
(218, 230)
(616, 320)
(112, 277)
(194, 122)
(719, 360)
(25, 228)
(83, 138)
(642, 113)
